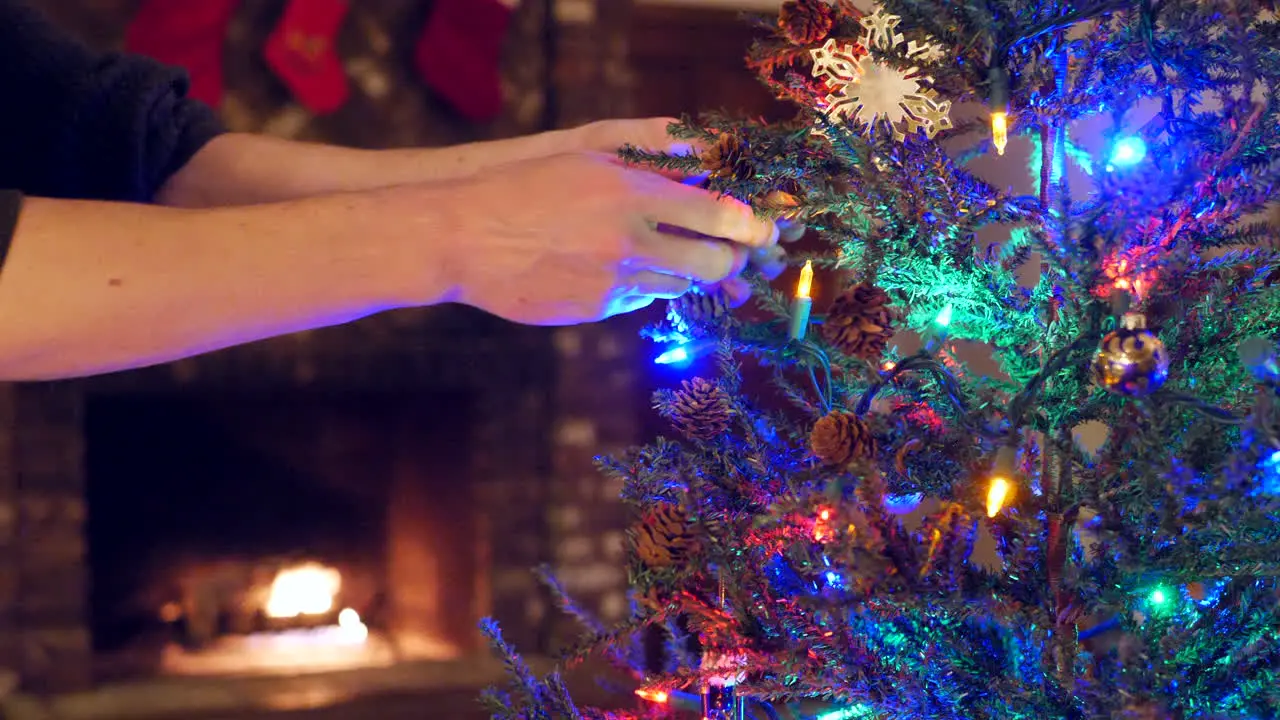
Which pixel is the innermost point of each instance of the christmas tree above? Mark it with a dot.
(1133, 291)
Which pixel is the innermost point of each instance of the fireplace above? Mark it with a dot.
(296, 530)
(357, 497)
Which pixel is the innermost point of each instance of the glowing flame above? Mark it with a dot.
(1000, 131)
(805, 286)
(997, 494)
(303, 590)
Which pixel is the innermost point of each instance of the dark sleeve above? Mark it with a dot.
(10, 206)
(79, 124)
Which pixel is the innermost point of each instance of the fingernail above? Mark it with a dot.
(793, 232)
(768, 254)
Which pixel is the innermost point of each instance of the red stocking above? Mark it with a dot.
(459, 54)
(301, 53)
(187, 34)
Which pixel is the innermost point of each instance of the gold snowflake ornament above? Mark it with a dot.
(867, 90)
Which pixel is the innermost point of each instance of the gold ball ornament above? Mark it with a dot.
(1131, 361)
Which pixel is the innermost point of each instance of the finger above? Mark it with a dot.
(681, 176)
(699, 260)
(610, 136)
(654, 285)
(771, 262)
(651, 134)
(737, 291)
(790, 231)
(715, 216)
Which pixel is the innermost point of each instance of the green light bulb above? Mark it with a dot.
(944, 317)
(857, 711)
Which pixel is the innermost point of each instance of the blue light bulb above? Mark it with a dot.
(674, 356)
(1127, 151)
(1269, 482)
(1273, 461)
(682, 351)
(902, 504)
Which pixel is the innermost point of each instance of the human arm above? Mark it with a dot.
(241, 168)
(92, 287)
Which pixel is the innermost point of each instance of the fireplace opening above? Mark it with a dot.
(281, 532)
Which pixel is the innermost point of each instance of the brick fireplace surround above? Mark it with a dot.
(541, 405)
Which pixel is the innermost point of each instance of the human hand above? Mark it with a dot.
(575, 238)
(609, 136)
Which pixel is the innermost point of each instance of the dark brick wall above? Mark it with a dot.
(546, 402)
(46, 479)
(596, 365)
(510, 372)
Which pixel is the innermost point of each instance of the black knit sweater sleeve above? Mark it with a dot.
(79, 124)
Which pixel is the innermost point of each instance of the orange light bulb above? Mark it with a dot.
(997, 494)
(654, 696)
(805, 286)
(1001, 488)
(1000, 130)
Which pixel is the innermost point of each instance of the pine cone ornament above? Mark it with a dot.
(696, 309)
(805, 22)
(700, 409)
(664, 536)
(727, 159)
(860, 322)
(840, 438)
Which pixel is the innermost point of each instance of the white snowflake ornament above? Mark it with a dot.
(881, 30)
(866, 91)
(836, 62)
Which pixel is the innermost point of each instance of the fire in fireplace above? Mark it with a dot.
(304, 591)
(303, 627)
(280, 533)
